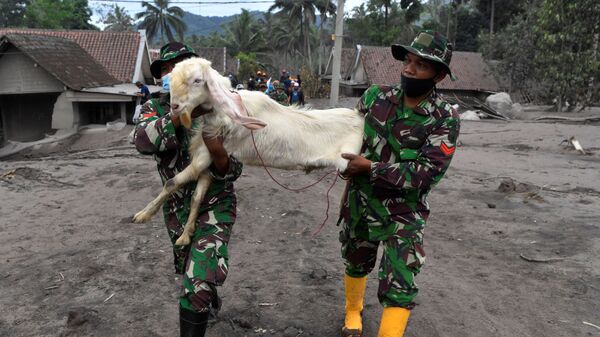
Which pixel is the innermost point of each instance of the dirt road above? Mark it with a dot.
(513, 244)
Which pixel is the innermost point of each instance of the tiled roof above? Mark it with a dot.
(62, 58)
(470, 69)
(116, 51)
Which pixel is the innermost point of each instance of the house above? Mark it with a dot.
(376, 65)
(125, 55)
(66, 79)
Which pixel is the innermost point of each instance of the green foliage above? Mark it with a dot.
(303, 13)
(461, 23)
(514, 46)
(243, 34)
(551, 51)
(11, 12)
(160, 18)
(379, 22)
(248, 65)
(118, 20)
(567, 49)
(469, 23)
(504, 11)
(58, 14)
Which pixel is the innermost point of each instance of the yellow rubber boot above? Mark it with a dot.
(355, 293)
(393, 322)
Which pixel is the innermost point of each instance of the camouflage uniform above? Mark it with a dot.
(282, 98)
(203, 263)
(411, 150)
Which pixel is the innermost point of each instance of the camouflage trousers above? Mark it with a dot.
(206, 267)
(401, 261)
(203, 264)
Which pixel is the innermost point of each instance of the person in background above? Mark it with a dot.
(279, 94)
(296, 96)
(144, 93)
(251, 83)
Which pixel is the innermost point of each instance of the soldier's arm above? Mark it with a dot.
(429, 166)
(154, 133)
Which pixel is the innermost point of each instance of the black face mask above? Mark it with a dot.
(413, 87)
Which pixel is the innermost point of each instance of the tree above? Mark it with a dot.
(514, 47)
(567, 50)
(469, 23)
(325, 8)
(504, 12)
(243, 34)
(161, 18)
(367, 25)
(11, 12)
(302, 12)
(118, 20)
(58, 14)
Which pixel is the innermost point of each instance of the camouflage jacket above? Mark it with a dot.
(280, 98)
(155, 134)
(410, 150)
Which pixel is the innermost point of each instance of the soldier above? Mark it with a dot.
(409, 139)
(279, 95)
(202, 264)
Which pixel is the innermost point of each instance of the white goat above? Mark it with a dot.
(292, 139)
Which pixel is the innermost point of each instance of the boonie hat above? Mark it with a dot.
(429, 45)
(168, 52)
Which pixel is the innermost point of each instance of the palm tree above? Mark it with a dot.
(243, 34)
(118, 20)
(159, 17)
(286, 40)
(325, 7)
(302, 11)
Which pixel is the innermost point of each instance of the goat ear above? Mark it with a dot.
(230, 102)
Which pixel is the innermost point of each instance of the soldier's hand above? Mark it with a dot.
(218, 153)
(199, 111)
(356, 164)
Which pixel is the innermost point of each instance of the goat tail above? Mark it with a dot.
(186, 119)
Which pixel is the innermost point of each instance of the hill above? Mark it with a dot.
(206, 25)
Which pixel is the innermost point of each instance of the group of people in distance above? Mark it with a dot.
(286, 90)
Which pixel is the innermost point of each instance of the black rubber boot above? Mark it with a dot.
(192, 324)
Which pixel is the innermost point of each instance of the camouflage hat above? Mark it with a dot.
(280, 86)
(429, 45)
(168, 52)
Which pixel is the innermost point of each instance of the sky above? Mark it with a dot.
(200, 7)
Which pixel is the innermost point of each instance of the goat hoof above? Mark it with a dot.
(141, 217)
(183, 240)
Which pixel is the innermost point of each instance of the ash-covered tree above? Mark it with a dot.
(566, 57)
(379, 24)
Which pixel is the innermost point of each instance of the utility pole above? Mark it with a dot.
(337, 54)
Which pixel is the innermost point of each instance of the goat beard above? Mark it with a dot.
(185, 119)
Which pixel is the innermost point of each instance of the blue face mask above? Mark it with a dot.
(165, 82)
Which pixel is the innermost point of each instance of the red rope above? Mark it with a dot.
(301, 188)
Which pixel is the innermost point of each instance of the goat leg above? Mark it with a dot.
(204, 182)
(190, 173)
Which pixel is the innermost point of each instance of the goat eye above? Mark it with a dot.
(198, 81)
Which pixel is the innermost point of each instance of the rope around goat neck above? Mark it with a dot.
(301, 188)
